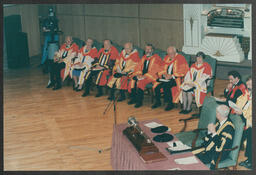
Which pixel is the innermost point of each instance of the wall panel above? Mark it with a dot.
(123, 10)
(119, 30)
(162, 33)
(162, 11)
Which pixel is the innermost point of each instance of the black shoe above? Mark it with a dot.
(85, 94)
(187, 111)
(169, 107)
(132, 101)
(156, 105)
(110, 98)
(138, 105)
(243, 163)
(248, 165)
(77, 90)
(50, 85)
(121, 98)
(56, 88)
(182, 111)
(98, 94)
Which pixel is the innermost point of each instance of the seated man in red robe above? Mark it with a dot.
(144, 74)
(62, 59)
(124, 65)
(82, 65)
(102, 68)
(170, 78)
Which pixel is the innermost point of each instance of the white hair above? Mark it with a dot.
(223, 110)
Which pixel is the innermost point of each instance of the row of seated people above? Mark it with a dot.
(127, 72)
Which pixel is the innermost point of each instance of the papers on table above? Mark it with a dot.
(234, 106)
(141, 78)
(163, 80)
(175, 169)
(177, 146)
(186, 160)
(154, 125)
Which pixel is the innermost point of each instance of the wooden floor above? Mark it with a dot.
(60, 130)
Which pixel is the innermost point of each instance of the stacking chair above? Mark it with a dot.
(187, 57)
(141, 51)
(231, 161)
(79, 42)
(97, 44)
(161, 53)
(210, 82)
(208, 115)
(118, 47)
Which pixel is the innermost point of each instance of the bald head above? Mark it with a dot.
(107, 44)
(171, 51)
(128, 47)
(222, 112)
(68, 40)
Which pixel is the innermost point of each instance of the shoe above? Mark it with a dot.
(187, 111)
(85, 94)
(75, 87)
(156, 105)
(132, 101)
(122, 96)
(247, 164)
(121, 99)
(77, 90)
(50, 85)
(138, 105)
(98, 95)
(243, 162)
(56, 88)
(182, 111)
(169, 107)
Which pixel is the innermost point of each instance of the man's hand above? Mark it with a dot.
(168, 76)
(238, 112)
(140, 76)
(98, 67)
(211, 128)
(190, 84)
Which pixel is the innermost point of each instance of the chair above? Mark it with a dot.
(118, 47)
(231, 161)
(161, 53)
(210, 83)
(208, 115)
(79, 42)
(141, 51)
(97, 44)
(187, 57)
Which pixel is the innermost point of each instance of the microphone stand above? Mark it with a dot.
(114, 103)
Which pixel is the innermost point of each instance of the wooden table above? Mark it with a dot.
(124, 155)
